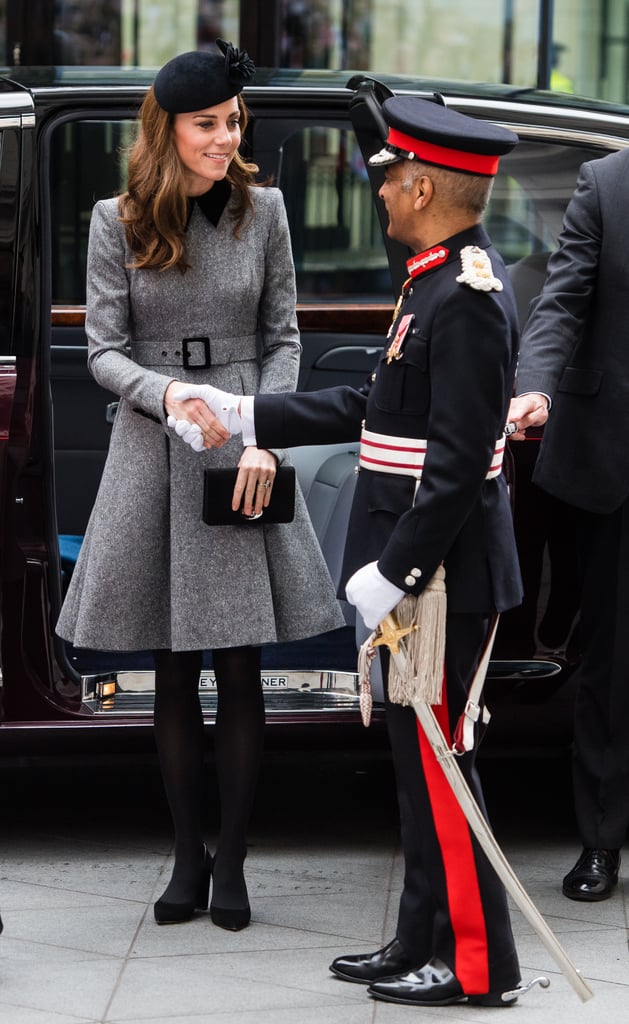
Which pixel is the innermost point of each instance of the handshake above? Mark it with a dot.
(223, 405)
(372, 594)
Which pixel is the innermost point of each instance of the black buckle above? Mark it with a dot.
(187, 354)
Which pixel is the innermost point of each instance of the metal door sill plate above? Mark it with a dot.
(131, 693)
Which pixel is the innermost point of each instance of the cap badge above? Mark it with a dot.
(477, 270)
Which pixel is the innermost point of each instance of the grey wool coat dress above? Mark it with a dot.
(151, 574)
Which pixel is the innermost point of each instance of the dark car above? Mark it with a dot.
(63, 136)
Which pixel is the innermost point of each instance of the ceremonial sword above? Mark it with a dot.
(390, 635)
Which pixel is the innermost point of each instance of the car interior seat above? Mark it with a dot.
(527, 277)
(327, 476)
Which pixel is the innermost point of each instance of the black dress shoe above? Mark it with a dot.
(593, 876)
(367, 967)
(434, 984)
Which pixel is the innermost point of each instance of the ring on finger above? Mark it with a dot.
(264, 483)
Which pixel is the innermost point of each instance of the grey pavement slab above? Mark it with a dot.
(81, 946)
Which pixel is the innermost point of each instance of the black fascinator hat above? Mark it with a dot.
(198, 79)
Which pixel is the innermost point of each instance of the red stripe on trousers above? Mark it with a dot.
(471, 965)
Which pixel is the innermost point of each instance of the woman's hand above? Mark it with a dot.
(195, 411)
(254, 483)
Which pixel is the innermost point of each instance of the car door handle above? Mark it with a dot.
(349, 357)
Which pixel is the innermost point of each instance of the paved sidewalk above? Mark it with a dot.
(85, 850)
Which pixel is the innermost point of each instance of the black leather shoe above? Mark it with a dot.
(367, 967)
(434, 984)
(593, 876)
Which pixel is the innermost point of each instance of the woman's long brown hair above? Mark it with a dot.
(154, 209)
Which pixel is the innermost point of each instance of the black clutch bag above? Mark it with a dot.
(218, 490)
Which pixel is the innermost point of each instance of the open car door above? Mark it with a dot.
(8, 378)
(23, 464)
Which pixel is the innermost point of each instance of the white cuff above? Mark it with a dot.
(248, 421)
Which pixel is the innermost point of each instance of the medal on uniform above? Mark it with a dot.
(394, 350)
(416, 265)
(398, 305)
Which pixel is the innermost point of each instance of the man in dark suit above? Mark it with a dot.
(574, 361)
(430, 492)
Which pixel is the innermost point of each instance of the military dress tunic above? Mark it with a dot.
(450, 384)
(151, 574)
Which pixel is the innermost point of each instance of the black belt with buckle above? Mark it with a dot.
(195, 353)
(193, 350)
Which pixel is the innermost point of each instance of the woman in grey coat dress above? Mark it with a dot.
(190, 281)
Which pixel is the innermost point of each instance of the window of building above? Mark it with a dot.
(445, 39)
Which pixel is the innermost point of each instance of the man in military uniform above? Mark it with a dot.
(430, 492)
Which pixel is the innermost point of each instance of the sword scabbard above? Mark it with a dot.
(392, 636)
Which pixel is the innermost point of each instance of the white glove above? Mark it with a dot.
(223, 404)
(191, 433)
(373, 594)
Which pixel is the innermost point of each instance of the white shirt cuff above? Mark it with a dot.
(248, 421)
(542, 393)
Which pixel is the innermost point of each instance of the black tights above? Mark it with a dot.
(239, 734)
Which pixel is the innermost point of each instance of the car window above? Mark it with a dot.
(87, 164)
(529, 197)
(338, 247)
(526, 210)
(337, 241)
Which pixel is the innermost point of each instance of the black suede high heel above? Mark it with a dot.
(231, 918)
(176, 913)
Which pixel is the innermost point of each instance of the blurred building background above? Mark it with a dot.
(579, 46)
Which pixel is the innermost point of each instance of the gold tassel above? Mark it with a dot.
(425, 645)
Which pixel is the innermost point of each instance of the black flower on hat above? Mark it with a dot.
(200, 79)
(238, 64)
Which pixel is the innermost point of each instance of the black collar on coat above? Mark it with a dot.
(211, 203)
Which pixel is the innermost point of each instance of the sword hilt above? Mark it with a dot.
(389, 633)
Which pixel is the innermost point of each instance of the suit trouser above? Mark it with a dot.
(453, 905)
(601, 722)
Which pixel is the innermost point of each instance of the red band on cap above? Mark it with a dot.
(454, 158)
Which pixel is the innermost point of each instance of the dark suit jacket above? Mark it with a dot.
(452, 387)
(575, 347)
